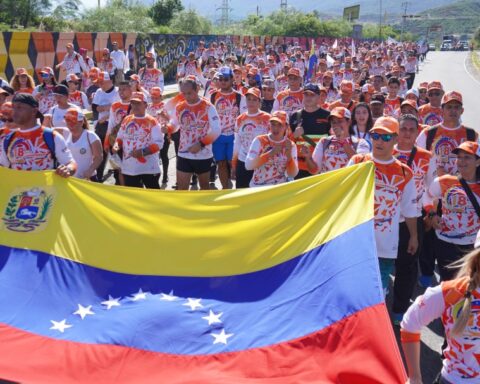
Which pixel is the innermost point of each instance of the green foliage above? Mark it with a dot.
(23, 13)
(117, 16)
(163, 11)
(190, 22)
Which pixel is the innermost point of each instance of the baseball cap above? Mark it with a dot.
(313, 88)
(423, 85)
(268, 83)
(69, 45)
(93, 73)
(47, 71)
(346, 86)
(341, 113)
(377, 98)
(294, 72)
(226, 72)
(138, 96)
(252, 72)
(237, 68)
(149, 55)
(412, 91)
(435, 85)
(7, 90)
(279, 116)
(21, 71)
(386, 124)
(61, 90)
(411, 103)
(368, 88)
(328, 74)
(103, 76)
(452, 96)
(255, 92)
(106, 50)
(155, 92)
(74, 115)
(135, 77)
(287, 64)
(25, 98)
(72, 77)
(82, 51)
(470, 147)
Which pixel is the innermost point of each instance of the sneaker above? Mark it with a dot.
(425, 281)
(397, 318)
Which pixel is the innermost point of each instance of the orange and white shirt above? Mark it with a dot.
(395, 195)
(197, 122)
(28, 151)
(424, 171)
(429, 115)
(45, 97)
(461, 364)
(139, 132)
(281, 83)
(247, 128)
(151, 77)
(229, 106)
(339, 103)
(288, 101)
(273, 170)
(459, 222)
(118, 111)
(391, 106)
(79, 99)
(330, 155)
(155, 109)
(444, 142)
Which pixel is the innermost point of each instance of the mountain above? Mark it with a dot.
(242, 8)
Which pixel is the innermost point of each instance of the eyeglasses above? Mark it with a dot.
(385, 137)
(434, 94)
(422, 91)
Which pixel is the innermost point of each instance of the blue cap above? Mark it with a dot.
(225, 72)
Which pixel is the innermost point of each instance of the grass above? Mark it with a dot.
(476, 60)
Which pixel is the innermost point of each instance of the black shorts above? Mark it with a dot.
(193, 166)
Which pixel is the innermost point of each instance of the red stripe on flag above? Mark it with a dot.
(360, 349)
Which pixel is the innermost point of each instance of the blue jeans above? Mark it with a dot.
(386, 268)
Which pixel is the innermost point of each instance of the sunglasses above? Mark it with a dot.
(385, 137)
(422, 91)
(435, 94)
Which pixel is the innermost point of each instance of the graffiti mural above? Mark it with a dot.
(34, 50)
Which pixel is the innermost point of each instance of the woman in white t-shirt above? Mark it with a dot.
(55, 117)
(84, 145)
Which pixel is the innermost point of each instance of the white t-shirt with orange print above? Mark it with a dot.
(395, 195)
(246, 129)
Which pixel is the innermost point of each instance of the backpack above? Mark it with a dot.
(48, 137)
(432, 131)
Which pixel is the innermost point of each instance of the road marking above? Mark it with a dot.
(468, 72)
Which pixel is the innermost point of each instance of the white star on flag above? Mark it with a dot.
(60, 325)
(193, 303)
(221, 337)
(139, 296)
(168, 297)
(213, 318)
(111, 302)
(83, 311)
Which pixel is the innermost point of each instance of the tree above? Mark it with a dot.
(23, 13)
(163, 11)
(117, 16)
(190, 22)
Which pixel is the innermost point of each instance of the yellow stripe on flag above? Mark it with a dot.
(202, 233)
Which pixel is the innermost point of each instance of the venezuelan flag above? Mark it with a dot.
(117, 285)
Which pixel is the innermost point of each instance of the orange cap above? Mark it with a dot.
(21, 71)
(72, 77)
(73, 115)
(411, 103)
(69, 45)
(138, 96)
(279, 116)
(149, 55)
(103, 76)
(155, 92)
(346, 86)
(255, 92)
(386, 124)
(288, 64)
(341, 113)
(135, 77)
(253, 72)
(47, 70)
(423, 85)
(328, 74)
(435, 85)
(93, 73)
(106, 50)
(452, 96)
(469, 147)
(294, 72)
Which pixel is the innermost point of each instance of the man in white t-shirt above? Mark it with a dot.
(118, 57)
(101, 103)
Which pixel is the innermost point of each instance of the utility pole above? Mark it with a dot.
(283, 5)
(404, 18)
(225, 13)
(380, 22)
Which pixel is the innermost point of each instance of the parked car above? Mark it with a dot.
(446, 45)
(432, 47)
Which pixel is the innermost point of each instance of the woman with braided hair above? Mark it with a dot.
(457, 302)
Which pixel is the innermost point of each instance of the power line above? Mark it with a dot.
(225, 13)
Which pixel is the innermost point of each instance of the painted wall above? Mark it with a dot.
(34, 50)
